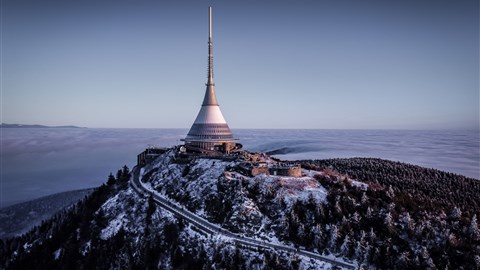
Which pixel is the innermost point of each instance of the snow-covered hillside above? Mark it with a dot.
(365, 222)
(391, 215)
(252, 206)
(215, 190)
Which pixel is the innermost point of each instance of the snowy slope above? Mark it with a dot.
(217, 191)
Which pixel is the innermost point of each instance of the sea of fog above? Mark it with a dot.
(41, 161)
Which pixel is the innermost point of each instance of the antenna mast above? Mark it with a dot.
(210, 53)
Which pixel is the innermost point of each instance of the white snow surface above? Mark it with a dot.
(291, 189)
(57, 253)
(359, 185)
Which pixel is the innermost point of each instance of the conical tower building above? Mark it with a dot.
(210, 132)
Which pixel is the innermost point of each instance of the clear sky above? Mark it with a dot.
(277, 64)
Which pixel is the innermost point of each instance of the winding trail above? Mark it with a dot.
(211, 228)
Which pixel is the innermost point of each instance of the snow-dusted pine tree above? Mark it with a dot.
(452, 240)
(362, 236)
(474, 232)
(317, 235)
(333, 237)
(408, 221)
(388, 220)
(391, 206)
(456, 213)
(344, 221)
(369, 212)
(403, 259)
(366, 254)
(371, 235)
(319, 211)
(426, 257)
(359, 251)
(356, 218)
(476, 258)
(390, 192)
(338, 209)
(364, 199)
(301, 231)
(345, 247)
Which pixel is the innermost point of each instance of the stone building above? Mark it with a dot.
(149, 154)
(294, 170)
(280, 169)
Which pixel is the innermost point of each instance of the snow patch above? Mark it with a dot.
(359, 185)
(57, 253)
(292, 189)
(27, 247)
(113, 227)
(86, 247)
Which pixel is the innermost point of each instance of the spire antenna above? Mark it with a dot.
(210, 98)
(210, 53)
(210, 22)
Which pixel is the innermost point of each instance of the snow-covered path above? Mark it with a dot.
(211, 228)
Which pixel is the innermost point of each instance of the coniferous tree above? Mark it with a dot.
(474, 232)
(345, 247)
(111, 179)
(150, 209)
(477, 261)
(456, 213)
(333, 237)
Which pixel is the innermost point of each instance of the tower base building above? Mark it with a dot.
(210, 133)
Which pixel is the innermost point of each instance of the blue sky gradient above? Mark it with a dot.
(277, 64)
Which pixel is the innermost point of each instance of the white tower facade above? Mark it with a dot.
(210, 132)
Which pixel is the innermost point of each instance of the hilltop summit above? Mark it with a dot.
(213, 212)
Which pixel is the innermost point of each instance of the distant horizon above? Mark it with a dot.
(242, 128)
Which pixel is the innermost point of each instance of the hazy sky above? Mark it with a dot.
(277, 64)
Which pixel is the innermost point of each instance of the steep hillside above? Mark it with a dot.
(117, 228)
